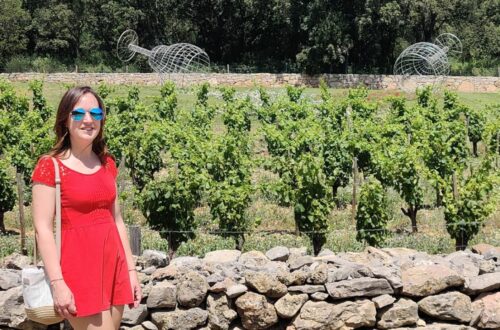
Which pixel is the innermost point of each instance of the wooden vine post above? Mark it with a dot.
(355, 171)
(20, 194)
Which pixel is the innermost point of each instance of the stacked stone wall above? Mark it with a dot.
(288, 289)
(462, 84)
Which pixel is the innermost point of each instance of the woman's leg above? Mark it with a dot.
(101, 321)
(116, 314)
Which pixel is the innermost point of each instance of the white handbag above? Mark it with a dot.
(38, 302)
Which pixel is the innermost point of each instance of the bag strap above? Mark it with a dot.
(58, 213)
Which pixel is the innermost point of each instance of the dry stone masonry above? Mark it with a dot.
(287, 289)
(461, 84)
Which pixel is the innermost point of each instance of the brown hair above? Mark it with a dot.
(68, 101)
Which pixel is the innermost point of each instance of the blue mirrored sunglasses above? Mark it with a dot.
(79, 113)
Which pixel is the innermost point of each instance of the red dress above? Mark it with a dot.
(93, 260)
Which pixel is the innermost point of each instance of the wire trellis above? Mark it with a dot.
(399, 234)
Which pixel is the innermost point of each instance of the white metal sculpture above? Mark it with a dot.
(176, 58)
(426, 59)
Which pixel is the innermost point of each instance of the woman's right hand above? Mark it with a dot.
(64, 302)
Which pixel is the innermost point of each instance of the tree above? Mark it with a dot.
(378, 25)
(100, 24)
(426, 18)
(14, 23)
(53, 26)
(328, 38)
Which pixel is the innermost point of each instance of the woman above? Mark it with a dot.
(96, 275)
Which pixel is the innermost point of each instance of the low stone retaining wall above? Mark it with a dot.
(287, 289)
(463, 84)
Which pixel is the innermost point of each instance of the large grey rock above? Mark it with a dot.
(482, 248)
(426, 280)
(465, 263)
(439, 326)
(222, 256)
(148, 271)
(188, 262)
(215, 278)
(16, 261)
(347, 315)
(166, 273)
(378, 255)
(296, 262)
(486, 266)
(220, 314)
(359, 287)
(301, 251)
(485, 310)
(383, 301)
(355, 257)
(135, 327)
(391, 273)
(192, 290)
(348, 271)
(266, 284)
(326, 252)
(482, 283)
(148, 325)
(493, 254)
(9, 278)
(180, 319)
(135, 315)
(153, 258)
(450, 306)
(255, 311)
(403, 312)
(12, 308)
(162, 295)
(319, 274)
(298, 277)
(289, 305)
(319, 296)
(307, 288)
(278, 253)
(253, 259)
(235, 291)
(221, 286)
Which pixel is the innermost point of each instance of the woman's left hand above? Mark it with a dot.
(136, 289)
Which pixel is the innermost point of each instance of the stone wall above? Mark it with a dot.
(287, 289)
(463, 84)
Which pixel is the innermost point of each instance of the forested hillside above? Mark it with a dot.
(343, 36)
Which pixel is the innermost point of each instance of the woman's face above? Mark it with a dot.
(86, 129)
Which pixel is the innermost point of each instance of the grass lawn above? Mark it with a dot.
(54, 91)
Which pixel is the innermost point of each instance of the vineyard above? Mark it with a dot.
(266, 168)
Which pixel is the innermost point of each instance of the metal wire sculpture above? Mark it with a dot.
(426, 59)
(176, 58)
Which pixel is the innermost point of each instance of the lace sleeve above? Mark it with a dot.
(111, 166)
(44, 172)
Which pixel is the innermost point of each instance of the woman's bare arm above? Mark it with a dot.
(43, 209)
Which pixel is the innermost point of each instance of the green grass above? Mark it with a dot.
(54, 91)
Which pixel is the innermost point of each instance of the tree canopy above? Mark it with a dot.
(328, 36)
